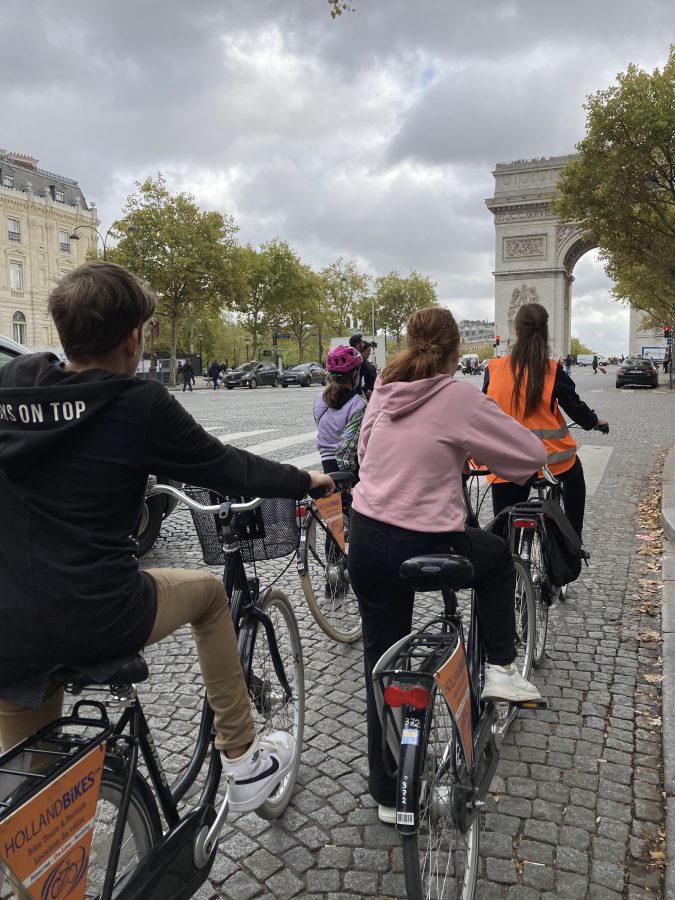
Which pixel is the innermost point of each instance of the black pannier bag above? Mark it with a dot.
(562, 546)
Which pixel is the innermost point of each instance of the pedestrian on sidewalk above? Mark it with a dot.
(188, 375)
(595, 365)
(417, 431)
(214, 374)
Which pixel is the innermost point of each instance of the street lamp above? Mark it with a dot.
(103, 238)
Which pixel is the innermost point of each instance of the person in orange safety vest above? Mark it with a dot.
(533, 388)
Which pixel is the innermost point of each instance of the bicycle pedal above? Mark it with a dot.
(530, 704)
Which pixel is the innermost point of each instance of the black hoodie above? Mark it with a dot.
(76, 449)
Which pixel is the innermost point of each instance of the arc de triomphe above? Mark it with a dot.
(535, 254)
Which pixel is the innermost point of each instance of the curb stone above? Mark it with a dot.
(668, 684)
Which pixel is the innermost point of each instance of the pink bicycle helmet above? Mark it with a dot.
(342, 360)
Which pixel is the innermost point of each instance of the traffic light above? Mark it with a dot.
(496, 340)
(667, 331)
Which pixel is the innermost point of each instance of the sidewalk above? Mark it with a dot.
(668, 654)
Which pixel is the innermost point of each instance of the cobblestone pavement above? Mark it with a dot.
(577, 802)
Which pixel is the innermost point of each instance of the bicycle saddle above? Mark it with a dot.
(124, 670)
(437, 571)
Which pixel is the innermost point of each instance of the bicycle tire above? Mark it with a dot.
(426, 852)
(542, 587)
(525, 616)
(143, 827)
(326, 584)
(271, 709)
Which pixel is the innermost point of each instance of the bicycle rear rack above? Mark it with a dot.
(45, 755)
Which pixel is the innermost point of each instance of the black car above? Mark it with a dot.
(636, 370)
(252, 375)
(304, 374)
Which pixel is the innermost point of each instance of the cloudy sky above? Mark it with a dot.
(372, 136)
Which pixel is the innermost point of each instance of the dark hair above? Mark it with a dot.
(433, 337)
(529, 356)
(339, 387)
(355, 340)
(96, 305)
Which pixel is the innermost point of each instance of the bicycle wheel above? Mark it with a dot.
(438, 860)
(143, 828)
(272, 709)
(325, 581)
(541, 587)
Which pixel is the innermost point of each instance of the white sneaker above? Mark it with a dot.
(253, 776)
(507, 684)
(386, 814)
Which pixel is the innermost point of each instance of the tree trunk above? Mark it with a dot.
(174, 342)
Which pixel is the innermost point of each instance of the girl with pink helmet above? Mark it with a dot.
(339, 403)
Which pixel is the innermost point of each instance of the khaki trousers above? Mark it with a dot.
(183, 596)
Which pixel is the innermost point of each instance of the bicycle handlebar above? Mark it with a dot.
(200, 507)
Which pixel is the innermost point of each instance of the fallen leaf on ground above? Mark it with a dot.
(649, 635)
(654, 679)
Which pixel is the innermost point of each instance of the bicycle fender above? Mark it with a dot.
(411, 760)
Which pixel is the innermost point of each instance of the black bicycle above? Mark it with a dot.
(133, 856)
(445, 739)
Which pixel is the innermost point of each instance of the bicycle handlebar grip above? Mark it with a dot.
(316, 493)
(603, 429)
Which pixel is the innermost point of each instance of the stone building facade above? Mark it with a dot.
(39, 210)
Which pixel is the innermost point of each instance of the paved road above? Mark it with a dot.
(577, 801)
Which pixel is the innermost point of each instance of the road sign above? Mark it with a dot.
(283, 337)
(669, 342)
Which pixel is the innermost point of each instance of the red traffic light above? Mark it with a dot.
(497, 339)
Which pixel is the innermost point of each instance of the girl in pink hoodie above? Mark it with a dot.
(417, 432)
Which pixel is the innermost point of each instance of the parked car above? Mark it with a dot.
(304, 374)
(637, 370)
(155, 509)
(252, 375)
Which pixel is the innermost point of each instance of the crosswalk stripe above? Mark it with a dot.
(225, 438)
(594, 460)
(281, 443)
(308, 461)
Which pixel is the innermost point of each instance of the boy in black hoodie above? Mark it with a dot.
(77, 443)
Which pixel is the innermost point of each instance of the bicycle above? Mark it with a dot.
(322, 567)
(446, 740)
(130, 857)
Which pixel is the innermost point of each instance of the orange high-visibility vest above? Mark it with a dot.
(561, 448)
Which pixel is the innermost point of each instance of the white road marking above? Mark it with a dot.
(594, 460)
(279, 444)
(226, 438)
(308, 461)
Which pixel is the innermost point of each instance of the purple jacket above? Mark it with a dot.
(332, 422)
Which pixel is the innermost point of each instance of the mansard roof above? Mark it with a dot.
(25, 171)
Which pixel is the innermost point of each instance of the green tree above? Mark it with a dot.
(346, 291)
(190, 258)
(576, 347)
(621, 188)
(397, 298)
(303, 306)
(252, 305)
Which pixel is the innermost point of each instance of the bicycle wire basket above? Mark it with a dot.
(268, 532)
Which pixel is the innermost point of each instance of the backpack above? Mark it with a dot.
(562, 547)
(347, 450)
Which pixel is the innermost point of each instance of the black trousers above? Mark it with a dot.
(573, 491)
(376, 551)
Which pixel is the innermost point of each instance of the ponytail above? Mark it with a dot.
(432, 338)
(529, 356)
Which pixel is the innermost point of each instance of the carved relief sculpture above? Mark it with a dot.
(516, 248)
(521, 295)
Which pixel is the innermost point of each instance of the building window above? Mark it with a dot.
(14, 230)
(59, 196)
(15, 276)
(64, 241)
(19, 327)
(7, 179)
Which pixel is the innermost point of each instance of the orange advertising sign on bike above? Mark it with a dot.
(45, 844)
(331, 510)
(453, 680)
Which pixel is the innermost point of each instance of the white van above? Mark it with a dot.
(585, 359)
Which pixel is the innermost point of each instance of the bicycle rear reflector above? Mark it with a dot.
(417, 696)
(524, 523)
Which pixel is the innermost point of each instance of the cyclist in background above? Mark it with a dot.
(77, 443)
(335, 408)
(530, 386)
(419, 427)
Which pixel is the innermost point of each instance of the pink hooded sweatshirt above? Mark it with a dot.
(414, 440)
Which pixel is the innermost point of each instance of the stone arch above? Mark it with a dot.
(535, 254)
